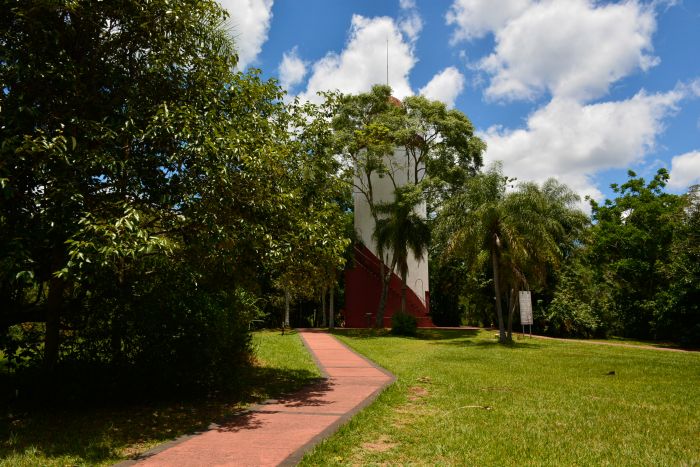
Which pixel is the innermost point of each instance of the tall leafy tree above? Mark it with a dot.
(140, 178)
(517, 234)
(677, 315)
(438, 146)
(631, 246)
(312, 248)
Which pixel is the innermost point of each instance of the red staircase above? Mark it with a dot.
(363, 287)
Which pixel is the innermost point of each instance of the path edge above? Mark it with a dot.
(296, 456)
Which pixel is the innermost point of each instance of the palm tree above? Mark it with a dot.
(400, 228)
(521, 232)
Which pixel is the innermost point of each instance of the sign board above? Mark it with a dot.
(525, 307)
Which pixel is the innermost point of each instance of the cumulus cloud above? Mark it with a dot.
(363, 61)
(685, 170)
(411, 25)
(410, 22)
(573, 141)
(476, 18)
(571, 51)
(292, 69)
(568, 48)
(445, 86)
(250, 23)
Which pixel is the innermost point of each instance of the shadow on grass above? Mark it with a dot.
(452, 337)
(105, 433)
(444, 334)
(516, 344)
(422, 333)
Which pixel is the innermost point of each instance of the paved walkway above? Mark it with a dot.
(280, 432)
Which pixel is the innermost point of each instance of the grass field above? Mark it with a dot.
(462, 399)
(105, 435)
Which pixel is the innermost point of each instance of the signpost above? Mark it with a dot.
(525, 309)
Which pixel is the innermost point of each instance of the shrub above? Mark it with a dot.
(568, 316)
(403, 324)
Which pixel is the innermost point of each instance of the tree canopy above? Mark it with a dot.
(146, 187)
(520, 233)
(415, 142)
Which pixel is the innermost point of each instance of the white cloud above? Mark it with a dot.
(411, 25)
(444, 86)
(685, 170)
(572, 141)
(363, 62)
(572, 51)
(569, 48)
(476, 18)
(250, 23)
(410, 22)
(292, 69)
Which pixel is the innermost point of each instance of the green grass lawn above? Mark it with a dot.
(105, 435)
(632, 341)
(462, 399)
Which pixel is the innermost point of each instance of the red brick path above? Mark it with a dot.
(279, 432)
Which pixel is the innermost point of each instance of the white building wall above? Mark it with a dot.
(383, 191)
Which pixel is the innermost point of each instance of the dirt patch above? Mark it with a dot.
(417, 392)
(382, 444)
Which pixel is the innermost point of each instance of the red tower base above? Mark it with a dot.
(363, 287)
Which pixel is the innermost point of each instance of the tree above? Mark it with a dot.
(402, 231)
(677, 314)
(438, 146)
(636, 238)
(313, 245)
(520, 233)
(631, 246)
(142, 182)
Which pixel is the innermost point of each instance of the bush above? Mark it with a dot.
(403, 324)
(568, 316)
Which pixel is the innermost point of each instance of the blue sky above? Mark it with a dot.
(579, 90)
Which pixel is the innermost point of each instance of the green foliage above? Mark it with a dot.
(440, 145)
(421, 148)
(630, 247)
(403, 324)
(447, 285)
(636, 272)
(147, 187)
(677, 315)
(522, 233)
(401, 230)
(571, 315)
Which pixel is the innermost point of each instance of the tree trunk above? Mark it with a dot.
(497, 289)
(119, 314)
(331, 310)
(286, 308)
(511, 312)
(53, 313)
(403, 291)
(323, 308)
(385, 293)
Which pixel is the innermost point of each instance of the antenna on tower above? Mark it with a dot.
(387, 60)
